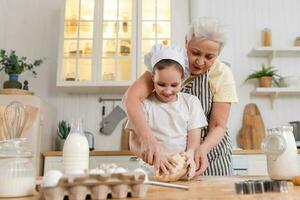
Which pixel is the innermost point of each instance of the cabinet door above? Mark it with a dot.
(257, 165)
(76, 48)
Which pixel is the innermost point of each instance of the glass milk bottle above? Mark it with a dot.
(76, 150)
(281, 151)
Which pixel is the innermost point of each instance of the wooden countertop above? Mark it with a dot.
(128, 153)
(209, 188)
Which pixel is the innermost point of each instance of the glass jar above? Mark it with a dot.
(280, 148)
(17, 174)
(266, 37)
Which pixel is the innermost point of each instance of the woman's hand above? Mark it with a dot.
(191, 163)
(201, 159)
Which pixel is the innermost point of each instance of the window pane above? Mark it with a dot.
(148, 29)
(163, 10)
(86, 30)
(109, 29)
(70, 47)
(146, 46)
(71, 29)
(110, 9)
(148, 9)
(87, 10)
(85, 70)
(86, 47)
(163, 30)
(108, 69)
(125, 9)
(69, 69)
(72, 9)
(125, 29)
(109, 48)
(124, 47)
(124, 72)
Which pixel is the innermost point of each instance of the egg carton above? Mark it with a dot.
(97, 186)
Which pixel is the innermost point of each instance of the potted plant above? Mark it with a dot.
(63, 131)
(266, 75)
(14, 66)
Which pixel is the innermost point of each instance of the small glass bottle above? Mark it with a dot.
(266, 37)
(76, 150)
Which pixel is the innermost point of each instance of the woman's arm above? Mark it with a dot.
(193, 141)
(216, 130)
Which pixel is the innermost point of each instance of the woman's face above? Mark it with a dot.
(167, 83)
(201, 54)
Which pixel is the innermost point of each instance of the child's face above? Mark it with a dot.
(167, 83)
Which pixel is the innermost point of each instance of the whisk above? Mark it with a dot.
(15, 116)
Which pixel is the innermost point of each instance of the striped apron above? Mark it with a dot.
(219, 158)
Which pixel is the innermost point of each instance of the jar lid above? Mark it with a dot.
(14, 148)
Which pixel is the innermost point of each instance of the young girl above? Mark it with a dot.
(175, 118)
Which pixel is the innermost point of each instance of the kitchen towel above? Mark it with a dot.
(110, 122)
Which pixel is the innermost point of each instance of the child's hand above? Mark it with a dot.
(164, 164)
(189, 154)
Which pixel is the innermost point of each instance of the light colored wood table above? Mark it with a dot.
(209, 188)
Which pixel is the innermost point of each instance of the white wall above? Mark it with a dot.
(244, 20)
(31, 27)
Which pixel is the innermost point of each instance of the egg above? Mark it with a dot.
(120, 170)
(97, 171)
(51, 178)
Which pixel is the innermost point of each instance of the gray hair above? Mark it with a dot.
(207, 28)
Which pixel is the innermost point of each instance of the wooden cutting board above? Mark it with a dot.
(252, 131)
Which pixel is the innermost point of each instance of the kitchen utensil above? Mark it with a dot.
(15, 116)
(296, 131)
(161, 184)
(260, 186)
(90, 138)
(252, 131)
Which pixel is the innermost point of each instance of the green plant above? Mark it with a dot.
(265, 71)
(12, 64)
(63, 129)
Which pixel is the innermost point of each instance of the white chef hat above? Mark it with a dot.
(160, 52)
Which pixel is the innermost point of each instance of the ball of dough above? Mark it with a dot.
(177, 171)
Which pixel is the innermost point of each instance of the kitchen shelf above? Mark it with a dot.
(273, 93)
(276, 91)
(271, 52)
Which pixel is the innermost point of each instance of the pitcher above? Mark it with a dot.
(280, 148)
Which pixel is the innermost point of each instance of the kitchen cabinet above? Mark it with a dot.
(126, 161)
(244, 162)
(103, 42)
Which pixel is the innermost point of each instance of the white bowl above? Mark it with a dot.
(291, 81)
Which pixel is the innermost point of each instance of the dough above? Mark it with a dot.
(178, 171)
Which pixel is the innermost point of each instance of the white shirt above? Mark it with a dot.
(171, 121)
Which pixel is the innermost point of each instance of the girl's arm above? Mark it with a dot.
(216, 130)
(149, 149)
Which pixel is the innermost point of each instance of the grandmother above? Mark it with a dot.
(208, 79)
